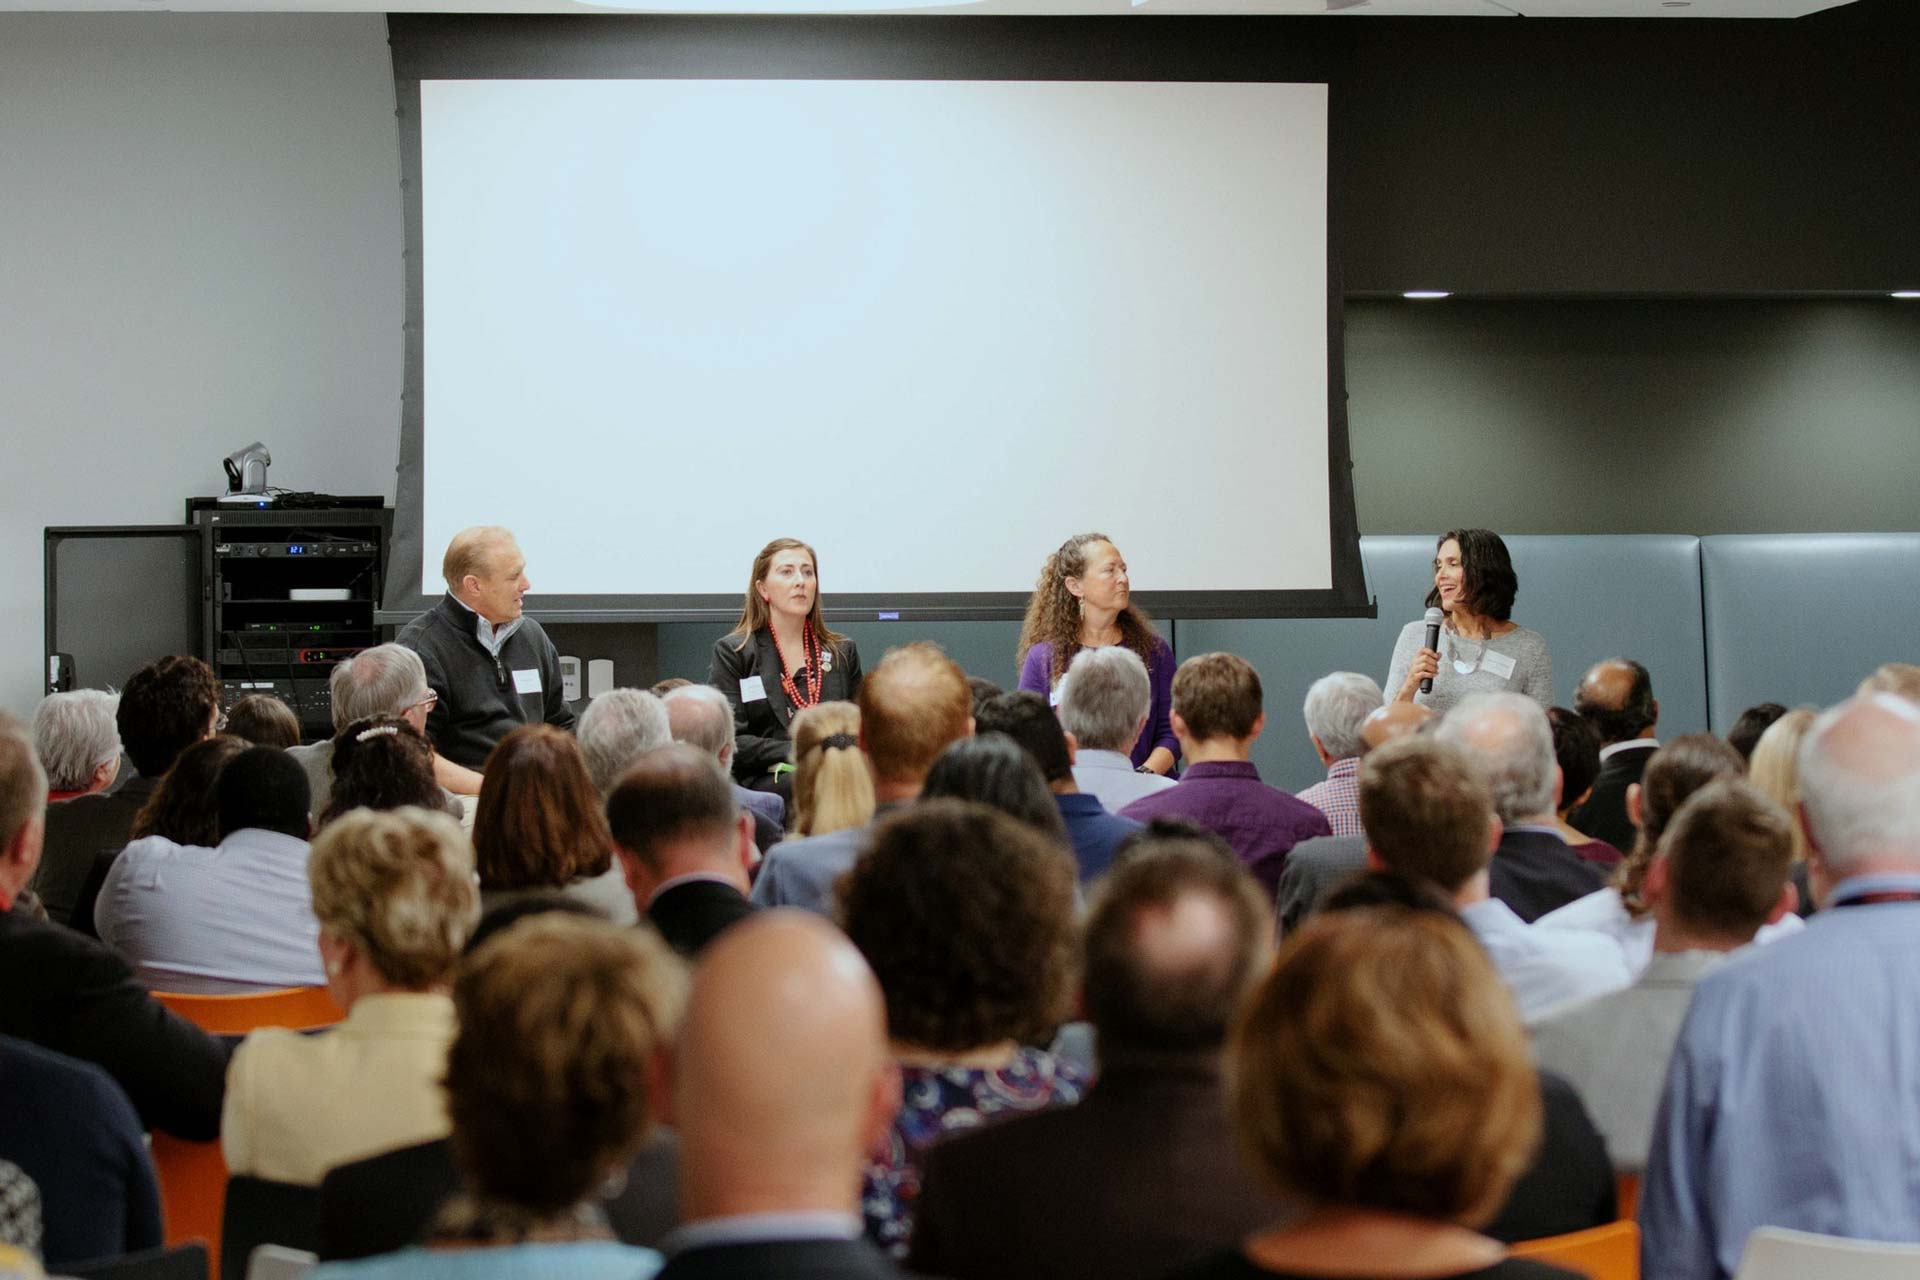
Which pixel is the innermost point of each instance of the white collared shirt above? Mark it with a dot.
(489, 635)
(1546, 969)
(1632, 744)
(1109, 776)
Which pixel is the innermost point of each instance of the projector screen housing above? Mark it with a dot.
(678, 286)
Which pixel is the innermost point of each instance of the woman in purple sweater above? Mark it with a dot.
(1082, 601)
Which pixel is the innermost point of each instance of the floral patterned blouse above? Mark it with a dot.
(936, 1101)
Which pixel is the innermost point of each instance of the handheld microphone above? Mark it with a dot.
(1433, 642)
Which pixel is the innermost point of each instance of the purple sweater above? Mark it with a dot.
(1037, 671)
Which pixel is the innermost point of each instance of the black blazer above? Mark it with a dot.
(79, 831)
(1569, 1186)
(386, 1202)
(760, 727)
(71, 994)
(782, 1260)
(1604, 815)
(1535, 871)
(1138, 1180)
(691, 914)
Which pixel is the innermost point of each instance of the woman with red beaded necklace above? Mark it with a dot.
(778, 660)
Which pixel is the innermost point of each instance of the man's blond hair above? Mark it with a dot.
(470, 552)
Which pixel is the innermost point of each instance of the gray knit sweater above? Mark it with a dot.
(1532, 667)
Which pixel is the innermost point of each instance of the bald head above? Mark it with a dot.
(1617, 696)
(1393, 721)
(784, 1077)
(1860, 786)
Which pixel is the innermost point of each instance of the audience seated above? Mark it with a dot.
(1336, 708)
(383, 764)
(394, 896)
(1790, 1101)
(386, 681)
(992, 770)
(1105, 697)
(1316, 867)
(701, 716)
(263, 720)
(1719, 875)
(832, 786)
(1616, 697)
(1217, 717)
(1534, 870)
(77, 742)
(68, 993)
(70, 1129)
(1428, 813)
(1142, 1176)
(1026, 718)
(616, 729)
(966, 917)
(1381, 1083)
(229, 919)
(184, 808)
(912, 705)
(1576, 749)
(783, 1083)
(1753, 722)
(165, 708)
(552, 1082)
(541, 827)
(684, 843)
(1622, 910)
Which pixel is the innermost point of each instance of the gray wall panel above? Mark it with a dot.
(1801, 618)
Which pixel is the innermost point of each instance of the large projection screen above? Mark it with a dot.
(932, 325)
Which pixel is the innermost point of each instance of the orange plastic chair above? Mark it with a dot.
(1626, 1190)
(1611, 1252)
(193, 1175)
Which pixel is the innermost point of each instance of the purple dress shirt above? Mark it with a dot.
(1036, 674)
(1262, 823)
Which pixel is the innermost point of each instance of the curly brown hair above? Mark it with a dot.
(185, 807)
(1673, 773)
(166, 708)
(1053, 612)
(540, 822)
(967, 918)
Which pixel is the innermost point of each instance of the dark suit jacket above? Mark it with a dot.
(1604, 815)
(71, 994)
(1313, 869)
(1535, 871)
(760, 739)
(1138, 1180)
(691, 914)
(782, 1260)
(386, 1202)
(1569, 1186)
(78, 830)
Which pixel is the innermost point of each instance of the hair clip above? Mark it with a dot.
(378, 730)
(833, 740)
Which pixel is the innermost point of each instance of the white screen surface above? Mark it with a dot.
(932, 327)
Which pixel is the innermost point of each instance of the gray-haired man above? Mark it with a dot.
(386, 680)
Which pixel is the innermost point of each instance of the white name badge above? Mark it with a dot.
(1053, 696)
(526, 680)
(753, 689)
(1498, 663)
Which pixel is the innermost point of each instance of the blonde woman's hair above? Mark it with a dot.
(832, 786)
(1381, 1064)
(399, 886)
(1775, 768)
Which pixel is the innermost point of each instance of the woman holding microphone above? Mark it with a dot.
(778, 660)
(1482, 650)
(1083, 601)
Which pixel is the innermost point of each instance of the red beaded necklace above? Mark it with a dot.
(810, 648)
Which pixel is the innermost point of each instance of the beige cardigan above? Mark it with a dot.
(297, 1105)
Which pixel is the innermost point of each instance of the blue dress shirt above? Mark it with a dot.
(1094, 832)
(1792, 1099)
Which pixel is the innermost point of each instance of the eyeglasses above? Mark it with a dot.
(429, 702)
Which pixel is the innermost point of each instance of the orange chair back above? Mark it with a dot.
(1611, 1252)
(193, 1175)
(1626, 1188)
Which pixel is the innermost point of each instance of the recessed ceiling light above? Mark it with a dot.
(1906, 293)
(1422, 295)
